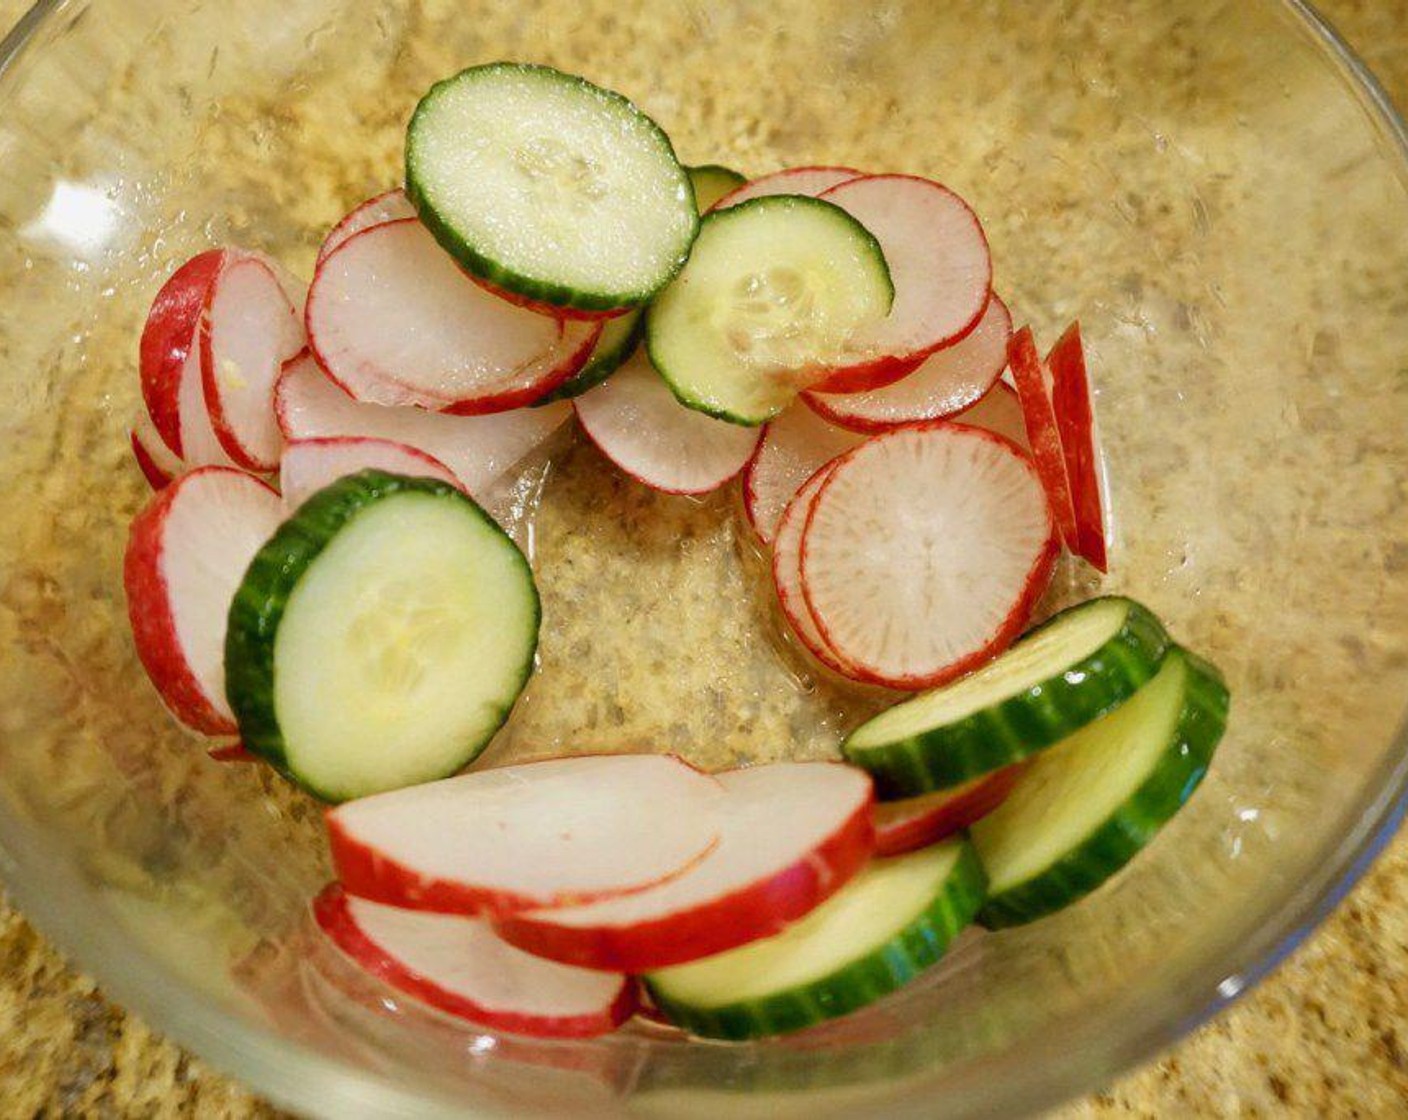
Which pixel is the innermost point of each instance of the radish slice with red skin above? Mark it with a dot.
(809, 181)
(309, 465)
(166, 341)
(549, 833)
(916, 822)
(393, 321)
(155, 460)
(792, 834)
(939, 263)
(477, 449)
(233, 752)
(639, 425)
(552, 310)
(1033, 382)
(390, 206)
(200, 444)
(461, 967)
(999, 411)
(949, 381)
(1075, 418)
(186, 554)
(925, 552)
(793, 446)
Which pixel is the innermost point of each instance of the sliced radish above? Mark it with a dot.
(248, 329)
(925, 551)
(792, 834)
(1076, 421)
(232, 752)
(460, 966)
(393, 321)
(637, 423)
(200, 445)
(308, 465)
(940, 265)
(155, 460)
(186, 554)
(1033, 381)
(166, 341)
(390, 206)
(549, 833)
(793, 446)
(916, 822)
(810, 181)
(949, 381)
(477, 449)
(999, 411)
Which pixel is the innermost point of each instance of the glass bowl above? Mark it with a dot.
(1216, 190)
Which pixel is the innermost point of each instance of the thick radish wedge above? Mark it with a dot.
(890, 923)
(939, 263)
(925, 551)
(159, 466)
(638, 424)
(916, 822)
(478, 449)
(809, 181)
(791, 835)
(1033, 382)
(381, 637)
(1073, 669)
(167, 338)
(950, 380)
(390, 206)
(394, 322)
(999, 411)
(186, 554)
(551, 833)
(711, 182)
(459, 966)
(1070, 397)
(794, 445)
(308, 465)
(1085, 808)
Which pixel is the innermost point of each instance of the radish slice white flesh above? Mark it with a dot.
(950, 380)
(637, 423)
(916, 822)
(792, 834)
(393, 321)
(308, 465)
(809, 181)
(793, 446)
(999, 411)
(166, 341)
(539, 834)
(939, 263)
(461, 967)
(249, 329)
(478, 449)
(156, 461)
(1070, 397)
(1033, 381)
(186, 554)
(925, 551)
(200, 445)
(391, 206)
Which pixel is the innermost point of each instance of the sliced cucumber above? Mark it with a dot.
(1082, 810)
(550, 187)
(711, 182)
(619, 339)
(774, 291)
(380, 637)
(1072, 670)
(892, 921)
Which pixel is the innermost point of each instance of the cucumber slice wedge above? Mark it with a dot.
(1063, 675)
(711, 182)
(617, 342)
(549, 187)
(892, 921)
(773, 292)
(1084, 809)
(380, 637)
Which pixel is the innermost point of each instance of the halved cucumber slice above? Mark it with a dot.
(774, 291)
(617, 342)
(549, 187)
(888, 924)
(1084, 809)
(380, 637)
(711, 182)
(1070, 671)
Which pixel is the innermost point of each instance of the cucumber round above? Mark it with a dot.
(1085, 808)
(711, 182)
(619, 339)
(773, 293)
(892, 921)
(550, 187)
(380, 637)
(1064, 674)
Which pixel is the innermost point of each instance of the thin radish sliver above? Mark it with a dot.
(157, 462)
(1075, 418)
(950, 380)
(549, 833)
(810, 181)
(308, 465)
(793, 446)
(461, 967)
(391, 206)
(1033, 381)
(792, 834)
(166, 341)
(916, 822)
(999, 411)
(641, 427)
(925, 551)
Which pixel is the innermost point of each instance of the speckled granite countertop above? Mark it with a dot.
(1326, 1036)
